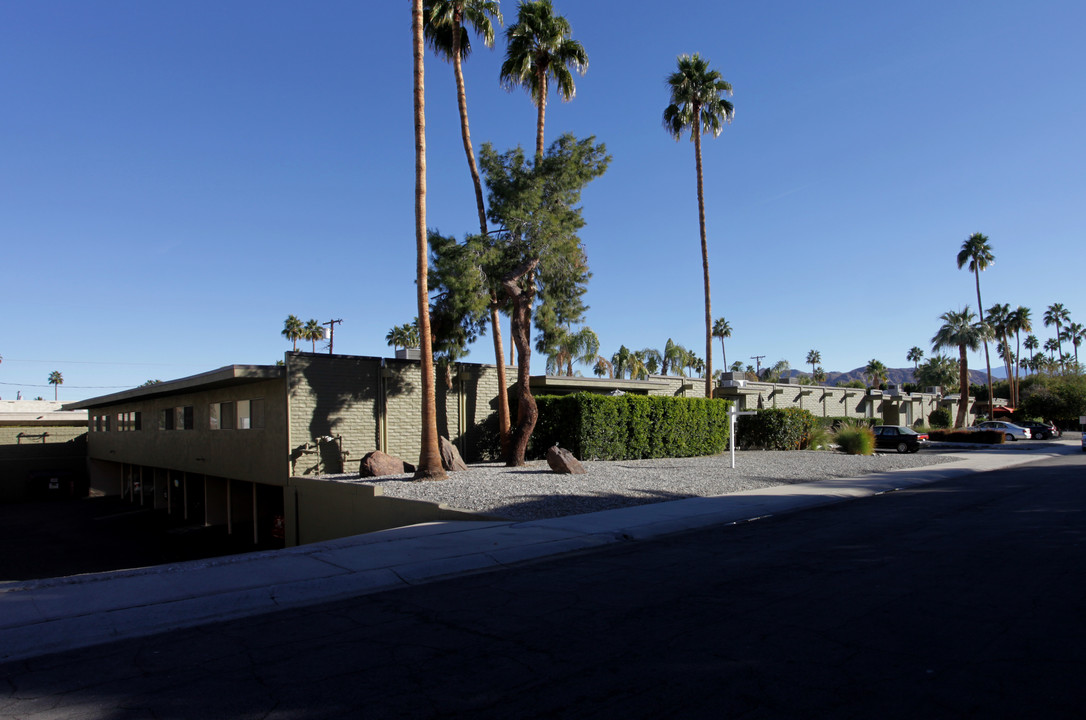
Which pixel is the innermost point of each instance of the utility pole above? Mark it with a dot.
(331, 333)
(758, 360)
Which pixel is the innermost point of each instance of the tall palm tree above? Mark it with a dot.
(652, 359)
(1057, 314)
(292, 330)
(1074, 333)
(429, 467)
(999, 318)
(446, 27)
(875, 370)
(813, 359)
(313, 331)
(539, 50)
(915, 355)
(698, 103)
(961, 330)
(977, 252)
(1018, 323)
(722, 329)
(674, 354)
(603, 368)
(56, 380)
(620, 361)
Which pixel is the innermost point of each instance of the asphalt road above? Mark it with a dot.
(951, 600)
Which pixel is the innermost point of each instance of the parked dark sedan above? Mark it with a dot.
(899, 437)
(1041, 431)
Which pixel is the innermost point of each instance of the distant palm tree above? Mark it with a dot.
(1052, 346)
(977, 253)
(1031, 344)
(539, 49)
(961, 330)
(813, 358)
(999, 319)
(915, 355)
(673, 355)
(722, 329)
(698, 103)
(1057, 315)
(292, 330)
(1019, 323)
(876, 371)
(603, 368)
(56, 380)
(313, 331)
(737, 366)
(429, 465)
(819, 375)
(621, 361)
(652, 359)
(582, 346)
(1074, 333)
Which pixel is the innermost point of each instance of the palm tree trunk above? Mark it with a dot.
(704, 258)
(963, 382)
(1017, 366)
(541, 114)
(987, 359)
(527, 411)
(429, 467)
(495, 323)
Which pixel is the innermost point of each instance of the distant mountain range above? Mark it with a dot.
(900, 376)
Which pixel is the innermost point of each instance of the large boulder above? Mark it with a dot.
(562, 461)
(450, 456)
(377, 463)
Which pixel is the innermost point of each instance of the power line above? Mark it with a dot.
(72, 387)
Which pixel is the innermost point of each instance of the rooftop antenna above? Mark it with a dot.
(331, 333)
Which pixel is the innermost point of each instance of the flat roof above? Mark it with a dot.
(224, 376)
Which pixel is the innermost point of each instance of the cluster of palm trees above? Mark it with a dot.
(968, 331)
(404, 336)
(640, 364)
(294, 330)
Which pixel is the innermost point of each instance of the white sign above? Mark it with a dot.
(732, 414)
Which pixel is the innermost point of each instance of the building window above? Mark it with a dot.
(213, 416)
(244, 418)
(228, 416)
(105, 421)
(257, 410)
(188, 418)
(137, 420)
(165, 420)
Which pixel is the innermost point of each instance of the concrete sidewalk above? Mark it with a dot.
(43, 616)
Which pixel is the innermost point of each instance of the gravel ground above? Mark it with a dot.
(534, 492)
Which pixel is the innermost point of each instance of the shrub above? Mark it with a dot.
(940, 418)
(819, 438)
(775, 429)
(855, 440)
(627, 427)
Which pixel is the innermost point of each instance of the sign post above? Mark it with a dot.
(732, 415)
(1082, 427)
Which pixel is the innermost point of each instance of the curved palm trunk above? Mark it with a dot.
(704, 259)
(1017, 366)
(724, 355)
(527, 411)
(987, 360)
(429, 467)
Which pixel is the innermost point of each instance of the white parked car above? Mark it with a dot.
(1014, 432)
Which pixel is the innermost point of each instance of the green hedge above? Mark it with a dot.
(630, 427)
(774, 429)
(833, 422)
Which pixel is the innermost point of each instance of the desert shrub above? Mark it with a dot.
(940, 418)
(855, 440)
(774, 429)
(820, 438)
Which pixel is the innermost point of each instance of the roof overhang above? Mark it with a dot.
(223, 377)
(567, 384)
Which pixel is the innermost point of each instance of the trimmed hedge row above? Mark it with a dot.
(774, 429)
(630, 427)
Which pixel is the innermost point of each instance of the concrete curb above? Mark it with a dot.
(44, 616)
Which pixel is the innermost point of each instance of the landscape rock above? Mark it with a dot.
(377, 463)
(563, 462)
(450, 456)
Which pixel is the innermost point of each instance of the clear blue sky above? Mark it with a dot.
(178, 177)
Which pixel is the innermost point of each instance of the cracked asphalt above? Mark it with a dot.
(962, 598)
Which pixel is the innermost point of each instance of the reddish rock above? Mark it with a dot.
(450, 456)
(563, 462)
(377, 463)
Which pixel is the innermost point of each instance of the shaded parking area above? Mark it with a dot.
(68, 537)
